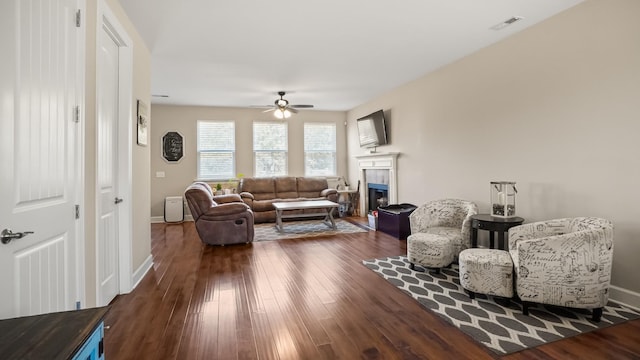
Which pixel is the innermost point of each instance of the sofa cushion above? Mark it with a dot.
(263, 205)
(286, 187)
(267, 205)
(260, 188)
(310, 188)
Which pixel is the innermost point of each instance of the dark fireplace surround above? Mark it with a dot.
(378, 196)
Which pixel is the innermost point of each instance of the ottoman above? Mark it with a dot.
(486, 271)
(429, 251)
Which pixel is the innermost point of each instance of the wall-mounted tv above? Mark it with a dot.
(372, 130)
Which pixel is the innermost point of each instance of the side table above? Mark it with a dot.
(493, 225)
(348, 200)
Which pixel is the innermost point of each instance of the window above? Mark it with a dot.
(216, 150)
(270, 148)
(319, 149)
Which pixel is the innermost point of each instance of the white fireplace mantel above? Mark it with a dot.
(378, 161)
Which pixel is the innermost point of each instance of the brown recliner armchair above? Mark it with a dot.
(219, 220)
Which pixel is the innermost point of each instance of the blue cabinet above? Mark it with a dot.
(63, 335)
(93, 348)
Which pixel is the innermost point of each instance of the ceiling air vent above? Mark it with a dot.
(506, 23)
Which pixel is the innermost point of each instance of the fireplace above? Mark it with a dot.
(377, 172)
(378, 195)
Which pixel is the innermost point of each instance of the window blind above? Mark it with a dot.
(216, 150)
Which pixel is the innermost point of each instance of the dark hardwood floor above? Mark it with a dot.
(299, 299)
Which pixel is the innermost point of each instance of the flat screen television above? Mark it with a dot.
(372, 130)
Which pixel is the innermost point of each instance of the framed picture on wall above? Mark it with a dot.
(143, 123)
(172, 147)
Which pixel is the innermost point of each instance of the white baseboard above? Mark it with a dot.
(625, 297)
(160, 219)
(142, 271)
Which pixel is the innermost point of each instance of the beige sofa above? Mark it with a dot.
(261, 193)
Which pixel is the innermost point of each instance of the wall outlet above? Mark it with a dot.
(159, 174)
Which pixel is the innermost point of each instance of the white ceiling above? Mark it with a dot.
(330, 53)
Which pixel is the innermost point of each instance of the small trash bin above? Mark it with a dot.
(394, 220)
(373, 220)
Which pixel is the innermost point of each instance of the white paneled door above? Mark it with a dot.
(108, 109)
(40, 91)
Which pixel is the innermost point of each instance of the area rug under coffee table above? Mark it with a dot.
(502, 329)
(303, 229)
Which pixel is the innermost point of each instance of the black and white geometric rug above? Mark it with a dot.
(502, 329)
(302, 229)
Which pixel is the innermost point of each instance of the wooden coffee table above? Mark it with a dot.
(324, 207)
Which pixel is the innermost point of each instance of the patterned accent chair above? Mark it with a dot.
(563, 262)
(440, 230)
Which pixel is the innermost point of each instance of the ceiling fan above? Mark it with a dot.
(282, 109)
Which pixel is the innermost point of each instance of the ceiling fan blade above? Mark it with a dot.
(292, 110)
(301, 106)
(268, 110)
(260, 106)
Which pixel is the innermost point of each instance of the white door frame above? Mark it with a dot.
(109, 22)
(81, 300)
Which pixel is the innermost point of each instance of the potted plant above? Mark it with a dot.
(218, 189)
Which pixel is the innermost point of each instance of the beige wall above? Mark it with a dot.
(141, 239)
(183, 119)
(554, 108)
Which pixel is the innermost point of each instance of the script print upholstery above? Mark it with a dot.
(564, 262)
(430, 250)
(487, 271)
(450, 218)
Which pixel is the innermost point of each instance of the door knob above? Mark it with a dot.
(7, 235)
(118, 200)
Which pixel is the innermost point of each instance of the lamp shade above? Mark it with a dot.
(282, 113)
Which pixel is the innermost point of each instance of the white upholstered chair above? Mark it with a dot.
(440, 230)
(564, 262)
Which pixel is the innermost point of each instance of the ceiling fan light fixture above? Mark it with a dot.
(282, 109)
(282, 113)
